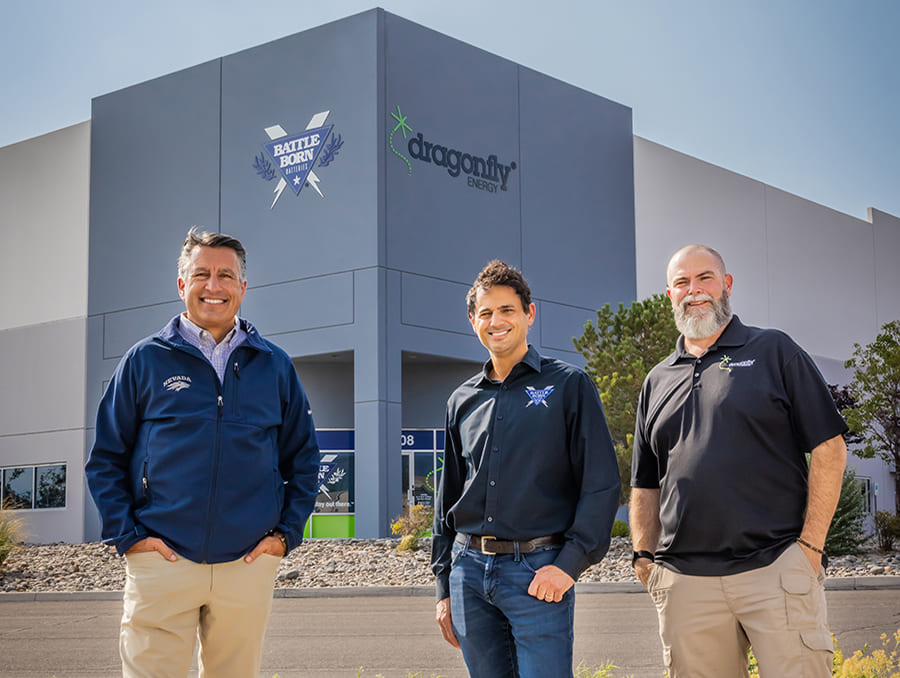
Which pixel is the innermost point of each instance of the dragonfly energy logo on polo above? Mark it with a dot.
(292, 157)
(482, 173)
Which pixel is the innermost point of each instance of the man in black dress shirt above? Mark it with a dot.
(527, 497)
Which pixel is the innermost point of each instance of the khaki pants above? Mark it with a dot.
(169, 605)
(708, 623)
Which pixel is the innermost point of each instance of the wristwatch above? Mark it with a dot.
(641, 554)
(278, 535)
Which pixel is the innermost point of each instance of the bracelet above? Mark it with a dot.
(810, 546)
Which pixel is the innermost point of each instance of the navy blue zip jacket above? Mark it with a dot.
(208, 467)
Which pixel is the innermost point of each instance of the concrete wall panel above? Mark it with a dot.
(437, 304)
(427, 385)
(324, 301)
(577, 193)
(464, 99)
(43, 377)
(330, 68)
(154, 173)
(45, 526)
(123, 329)
(681, 200)
(44, 221)
(821, 275)
(887, 266)
(558, 325)
(329, 387)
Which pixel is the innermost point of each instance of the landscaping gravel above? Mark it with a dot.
(326, 563)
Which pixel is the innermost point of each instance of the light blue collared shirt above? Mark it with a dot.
(216, 354)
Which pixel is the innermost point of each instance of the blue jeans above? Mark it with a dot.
(504, 632)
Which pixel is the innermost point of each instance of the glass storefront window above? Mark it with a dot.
(336, 483)
(425, 487)
(423, 461)
(51, 487)
(33, 487)
(18, 486)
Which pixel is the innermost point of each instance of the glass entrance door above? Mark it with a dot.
(423, 461)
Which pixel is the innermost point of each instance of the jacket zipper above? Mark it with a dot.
(220, 407)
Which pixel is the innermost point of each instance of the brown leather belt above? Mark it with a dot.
(493, 546)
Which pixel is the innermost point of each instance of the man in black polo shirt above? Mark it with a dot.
(527, 497)
(728, 518)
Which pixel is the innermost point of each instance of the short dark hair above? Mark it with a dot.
(198, 238)
(494, 273)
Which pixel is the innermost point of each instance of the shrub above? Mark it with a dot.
(847, 532)
(620, 529)
(414, 524)
(883, 663)
(12, 531)
(887, 529)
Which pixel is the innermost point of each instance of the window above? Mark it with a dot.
(28, 487)
(50, 486)
(865, 485)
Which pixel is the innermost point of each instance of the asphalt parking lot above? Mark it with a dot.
(338, 633)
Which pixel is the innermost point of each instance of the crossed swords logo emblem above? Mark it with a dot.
(294, 156)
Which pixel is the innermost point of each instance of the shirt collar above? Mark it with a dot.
(198, 334)
(734, 334)
(532, 359)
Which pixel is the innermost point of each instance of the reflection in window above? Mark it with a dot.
(18, 486)
(425, 487)
(51, 487)
(27, 487)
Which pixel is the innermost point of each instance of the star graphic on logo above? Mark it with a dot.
(296, 181)
(401, 122)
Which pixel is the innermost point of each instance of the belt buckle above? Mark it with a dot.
(484, 540)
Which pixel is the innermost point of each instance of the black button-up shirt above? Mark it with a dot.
(525, 458)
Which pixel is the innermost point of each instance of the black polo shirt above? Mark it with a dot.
(724, 437)
(525, 458)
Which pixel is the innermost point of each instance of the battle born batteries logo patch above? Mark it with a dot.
(485, 174)
(292, 157)
(538, 396)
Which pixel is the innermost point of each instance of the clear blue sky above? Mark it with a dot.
(800, 94)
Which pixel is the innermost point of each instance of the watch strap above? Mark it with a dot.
(641, 554)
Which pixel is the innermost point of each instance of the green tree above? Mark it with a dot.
(847, 533)
(620, 348)
(876, 388)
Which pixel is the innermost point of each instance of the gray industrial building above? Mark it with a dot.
(370, 187)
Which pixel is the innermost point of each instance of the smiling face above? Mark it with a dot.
(212, 290)
(501, 322)
(699, 289)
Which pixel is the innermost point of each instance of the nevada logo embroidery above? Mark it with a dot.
(295, 155)
(177, 383)
(538, 396)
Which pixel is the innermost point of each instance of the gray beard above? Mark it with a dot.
(700, 326)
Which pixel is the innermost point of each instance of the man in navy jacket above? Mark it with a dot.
(204, 471)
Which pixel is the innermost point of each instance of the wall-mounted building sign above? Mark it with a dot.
(292, 157)
(482, 173)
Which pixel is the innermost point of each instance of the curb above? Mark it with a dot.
(873, 583)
